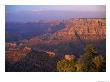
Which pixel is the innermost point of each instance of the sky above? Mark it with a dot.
(27, 13)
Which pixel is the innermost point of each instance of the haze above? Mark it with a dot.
(27, 13)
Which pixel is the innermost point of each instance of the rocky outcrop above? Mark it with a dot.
(11, 44)
(13, 55)
(69, 57)
(82, 29)
(50, 53)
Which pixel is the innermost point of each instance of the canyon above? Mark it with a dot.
(45, 42)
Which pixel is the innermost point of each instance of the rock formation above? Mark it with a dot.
(83, 28)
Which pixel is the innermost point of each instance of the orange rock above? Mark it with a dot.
(69, 57)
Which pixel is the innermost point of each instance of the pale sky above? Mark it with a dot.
(21, 13)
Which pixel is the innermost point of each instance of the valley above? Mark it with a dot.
(40, 45)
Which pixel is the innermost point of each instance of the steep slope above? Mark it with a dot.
(82, 29)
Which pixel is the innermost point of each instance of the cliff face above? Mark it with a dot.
(82, 29)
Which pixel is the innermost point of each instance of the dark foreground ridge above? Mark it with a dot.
(35, 61)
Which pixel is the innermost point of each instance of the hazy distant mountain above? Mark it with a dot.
(28, 16)
(31, 29)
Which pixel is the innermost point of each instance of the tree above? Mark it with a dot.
(85, 61)
(99, 62)
(91, 60)
(90, 50)
(66, 66)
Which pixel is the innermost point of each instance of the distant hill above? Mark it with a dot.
(30, 29)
